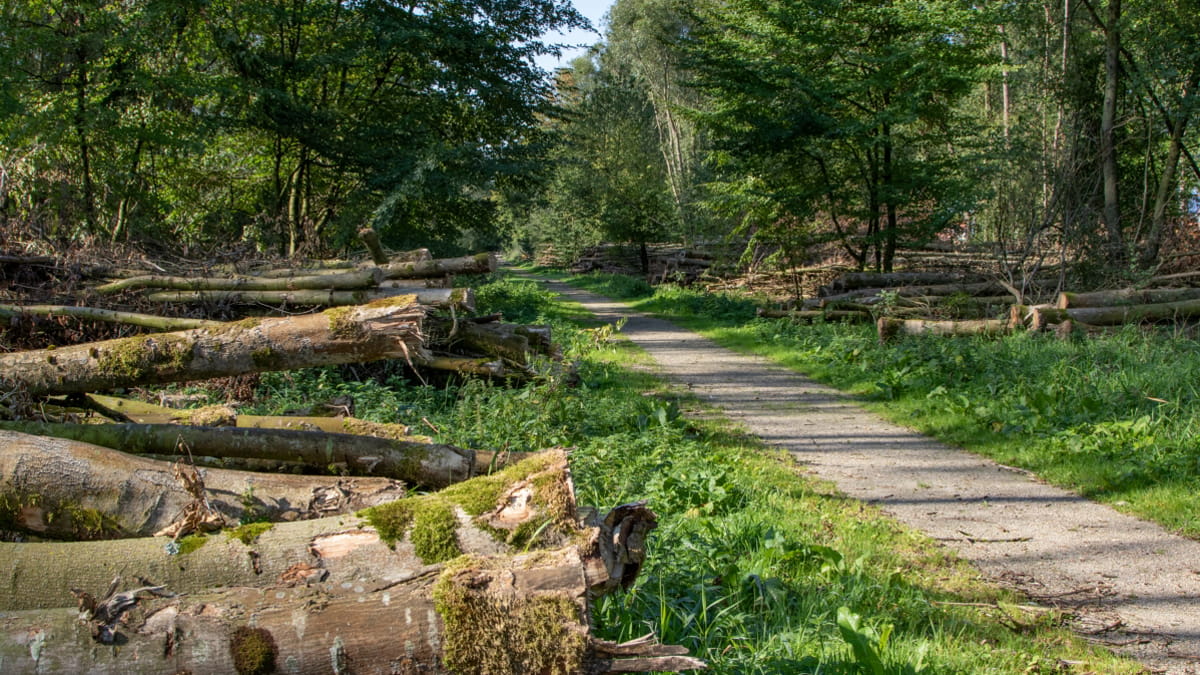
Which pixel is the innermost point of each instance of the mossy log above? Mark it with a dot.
(10, 313)
(384, 330)
(363, 278)
(66, 489)
(889, 328)
(1039, 317)
(482, 263)
(1125, 296)
(529, 505)
(415, 462)
(458, 298)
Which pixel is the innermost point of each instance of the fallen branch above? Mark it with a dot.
(10, 313)
(459, 298)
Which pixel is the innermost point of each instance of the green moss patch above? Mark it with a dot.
(433, 528)
(191, 543)
(137, 357)
(342, 325)
(248, 533)
(490, 633)
(254, 651)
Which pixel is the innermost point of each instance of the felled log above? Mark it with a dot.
(1037, 318)
(339, 266)
(9, 313)
(1125, 296)
(511, 342)
(483, 263)
(59, 488)
(415, 462)
(809, 316)
(459, 298)
(889, 328)
(363, 278)
(529, 505)
(381, 330)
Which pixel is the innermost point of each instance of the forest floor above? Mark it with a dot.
(1128, 583)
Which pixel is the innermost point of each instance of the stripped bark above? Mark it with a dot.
(383, 330)
(459, 298)
(363, 278)
(415, 462)
(66, 489)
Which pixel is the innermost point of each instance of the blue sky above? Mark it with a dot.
(594, 10)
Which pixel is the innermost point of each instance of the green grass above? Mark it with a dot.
(755, 566)
(1113, 417)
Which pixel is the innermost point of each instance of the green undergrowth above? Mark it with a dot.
(755, 567)
(1114, 417)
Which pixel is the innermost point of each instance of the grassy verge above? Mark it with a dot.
(1114, 417)
(755, 566)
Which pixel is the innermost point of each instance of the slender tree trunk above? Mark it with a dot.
(1167, 183)
(1108, 125)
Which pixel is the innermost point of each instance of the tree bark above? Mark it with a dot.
(889, 328)
(483, 263)
(66, 489)
(1108, 126)
(459, 298)
(364, 278)
(381, 330)
(417, 463)
(10, 313)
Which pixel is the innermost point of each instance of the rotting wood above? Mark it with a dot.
(889, 328)
(529, 505)
(415, 462)
(364, 278)
(384, 330)
(11, 313)
(459, 298)
(60, 488)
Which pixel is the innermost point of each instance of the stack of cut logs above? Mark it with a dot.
(914, 303)
(153, 539)
(667, 262)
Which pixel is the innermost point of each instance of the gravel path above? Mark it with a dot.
(1133, 585)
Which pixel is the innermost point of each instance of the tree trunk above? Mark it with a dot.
(1108, 126)
(1126, 296)
(511, 342)
(889, 328)
(11, 313)
(382, 330)
(66, 489)
(1166, 182)
(459, 298)
(483, 263)
(530, 504)
(808, 316)
(319, 267)
(417, 463)
(364, 278)
(371, 239)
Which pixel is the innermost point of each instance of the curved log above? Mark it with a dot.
(66, 489)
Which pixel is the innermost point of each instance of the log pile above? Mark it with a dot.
(666, 262)
(154, 539)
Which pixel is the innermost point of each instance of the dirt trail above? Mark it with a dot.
(1132, 584)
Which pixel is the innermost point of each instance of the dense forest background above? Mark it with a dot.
(1057, 128)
